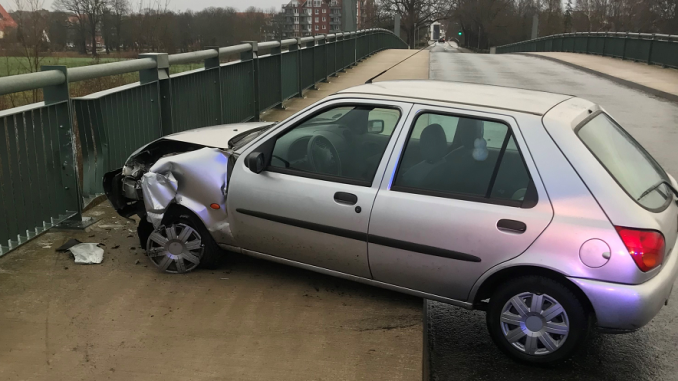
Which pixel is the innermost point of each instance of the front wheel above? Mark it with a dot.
(182, 243)
(537, 320)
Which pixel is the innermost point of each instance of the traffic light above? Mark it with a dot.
(459, 33)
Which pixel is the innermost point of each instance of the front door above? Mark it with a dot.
(463, 198)
(312, 203)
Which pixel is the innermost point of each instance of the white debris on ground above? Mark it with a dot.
(87, 253)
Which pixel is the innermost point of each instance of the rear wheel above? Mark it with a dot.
(537, 320)
(182, 243)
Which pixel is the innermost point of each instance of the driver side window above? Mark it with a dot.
(344, 142)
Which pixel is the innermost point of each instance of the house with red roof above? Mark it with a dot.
(6, 22)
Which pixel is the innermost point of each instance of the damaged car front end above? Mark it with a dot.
(183, 172)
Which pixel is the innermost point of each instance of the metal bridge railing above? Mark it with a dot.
(43, 145)
(654, 49)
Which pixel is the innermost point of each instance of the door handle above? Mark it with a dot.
(345, 198)
(512, 226)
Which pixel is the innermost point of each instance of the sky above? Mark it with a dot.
(182, 5)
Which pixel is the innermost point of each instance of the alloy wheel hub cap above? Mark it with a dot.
(175, 249)
(535, 324)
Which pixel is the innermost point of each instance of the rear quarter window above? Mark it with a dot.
(626, 161)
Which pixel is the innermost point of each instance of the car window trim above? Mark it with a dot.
(323, 108)
(456, 196)
(531, 187)
(318, 176)
(639, 146)
(497, 165)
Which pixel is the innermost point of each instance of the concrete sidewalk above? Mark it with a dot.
(643, 76)
(247, 320)
(415, 67)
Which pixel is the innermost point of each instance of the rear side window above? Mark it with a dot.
(464, 158)
(628, 163)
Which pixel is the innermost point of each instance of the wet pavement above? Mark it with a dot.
(460, 346)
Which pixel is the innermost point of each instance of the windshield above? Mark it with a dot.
(628, 163)
(242, 139)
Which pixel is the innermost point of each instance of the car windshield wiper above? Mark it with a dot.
(241, 136)
(657, 185)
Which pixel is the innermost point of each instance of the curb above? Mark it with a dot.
(633, 85)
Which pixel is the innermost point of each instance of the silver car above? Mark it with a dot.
(535, 207)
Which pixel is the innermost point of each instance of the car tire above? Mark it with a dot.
(144, 229)
(204, 248)
(535, 331)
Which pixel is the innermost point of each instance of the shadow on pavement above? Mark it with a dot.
(461, 349)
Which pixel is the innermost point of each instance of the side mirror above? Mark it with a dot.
(255, 162)
(375, 126)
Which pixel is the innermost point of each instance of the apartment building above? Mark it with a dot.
(311, 17)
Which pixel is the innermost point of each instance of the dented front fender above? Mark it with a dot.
(195, 180)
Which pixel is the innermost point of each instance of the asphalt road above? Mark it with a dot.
(460, 346)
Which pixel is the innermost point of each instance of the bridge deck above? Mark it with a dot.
(248, 320)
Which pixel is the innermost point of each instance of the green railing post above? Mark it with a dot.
(252, 56)
(649, 53)
(214, 63)
(322, 44)
(70, 196)
(344, 52)
(335, 71)
(277, 52)
(58, 93)
(297, 48)
(624, 50)
(311, 45)
(354, 48)
(604, 42)
(160, 75)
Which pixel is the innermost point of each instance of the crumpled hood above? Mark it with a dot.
(215, 136)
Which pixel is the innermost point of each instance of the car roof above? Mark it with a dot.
(499, 97)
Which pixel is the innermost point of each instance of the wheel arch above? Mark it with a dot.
(490, 284)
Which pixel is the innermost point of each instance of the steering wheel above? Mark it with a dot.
(323, 156)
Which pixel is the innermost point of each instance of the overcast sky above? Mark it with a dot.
(182, 5)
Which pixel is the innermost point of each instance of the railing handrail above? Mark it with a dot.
(668, 37)
(32, 81)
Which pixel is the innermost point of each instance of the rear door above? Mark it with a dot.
(312, 203)
(462, 196)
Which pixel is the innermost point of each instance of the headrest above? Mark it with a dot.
(433, 143)
(468, 130)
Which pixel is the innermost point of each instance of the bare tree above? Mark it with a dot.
(94, 10)
(111, 23)
(32, 23)
(416, 14)
(77, 19)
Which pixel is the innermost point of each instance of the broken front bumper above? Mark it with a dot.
(113, 187)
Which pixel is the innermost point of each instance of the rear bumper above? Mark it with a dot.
(622, 307)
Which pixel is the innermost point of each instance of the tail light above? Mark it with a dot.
(645, 246)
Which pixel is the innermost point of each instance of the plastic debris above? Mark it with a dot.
(87, 253)
(84, 253)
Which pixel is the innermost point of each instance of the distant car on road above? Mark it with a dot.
(441, 39)
(535, 207)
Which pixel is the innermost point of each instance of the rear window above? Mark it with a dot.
(628, 163)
